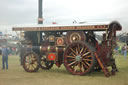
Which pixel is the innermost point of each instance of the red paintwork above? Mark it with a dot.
(51, 56)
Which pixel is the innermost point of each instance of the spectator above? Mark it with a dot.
(125, 51)
(119, 49)
(0, 50)
(116, 49)
(122, 50)
(5, 53)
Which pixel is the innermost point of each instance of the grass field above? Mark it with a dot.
(59, 76)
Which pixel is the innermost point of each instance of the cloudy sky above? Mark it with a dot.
(23, 12)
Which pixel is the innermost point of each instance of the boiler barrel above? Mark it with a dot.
(51, 49)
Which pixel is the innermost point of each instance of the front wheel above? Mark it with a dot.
(46, 64)
(79, 58)
(31, 62)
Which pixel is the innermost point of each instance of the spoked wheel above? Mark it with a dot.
(31, 62)
(46, 64)
(79, 58)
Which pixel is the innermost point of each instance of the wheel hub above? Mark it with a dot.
(78, 57)
(30, 62)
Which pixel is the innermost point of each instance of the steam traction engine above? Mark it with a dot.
(75, 46)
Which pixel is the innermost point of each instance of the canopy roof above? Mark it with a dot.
(87, 26)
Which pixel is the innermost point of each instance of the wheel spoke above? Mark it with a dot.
(71, 59)
(85, 50)
(27, 58)
(85, 65)
(78, 48)
(72, 63)
(73, 54)
(35, 63)
(81, 50)
(86, 54)
(43, 57)
(27, 61)
(75, 69)
(42, 62)
(33, 58)
(29, 67)
(73, 51)
(82, 68)
(70, 56)
(32, 66)
(87, 59)
(76, 51)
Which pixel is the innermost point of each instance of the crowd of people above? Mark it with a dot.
(122, 50)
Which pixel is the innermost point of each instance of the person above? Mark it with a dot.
(127, 42)
(5, 53)
(116, 49)
(125, 51)
(119, 49)
(91, 38)
(0, 50)
(122, 50)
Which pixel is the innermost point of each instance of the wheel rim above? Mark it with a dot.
(46, 64)
(31, 62)
(78, 59)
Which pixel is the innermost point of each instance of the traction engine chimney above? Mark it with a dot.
(40, 13)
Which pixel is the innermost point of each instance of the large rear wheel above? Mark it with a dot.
(79, 58)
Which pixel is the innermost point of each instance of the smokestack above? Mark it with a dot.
(40, 14)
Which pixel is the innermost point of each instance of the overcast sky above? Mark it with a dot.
(20, 12)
